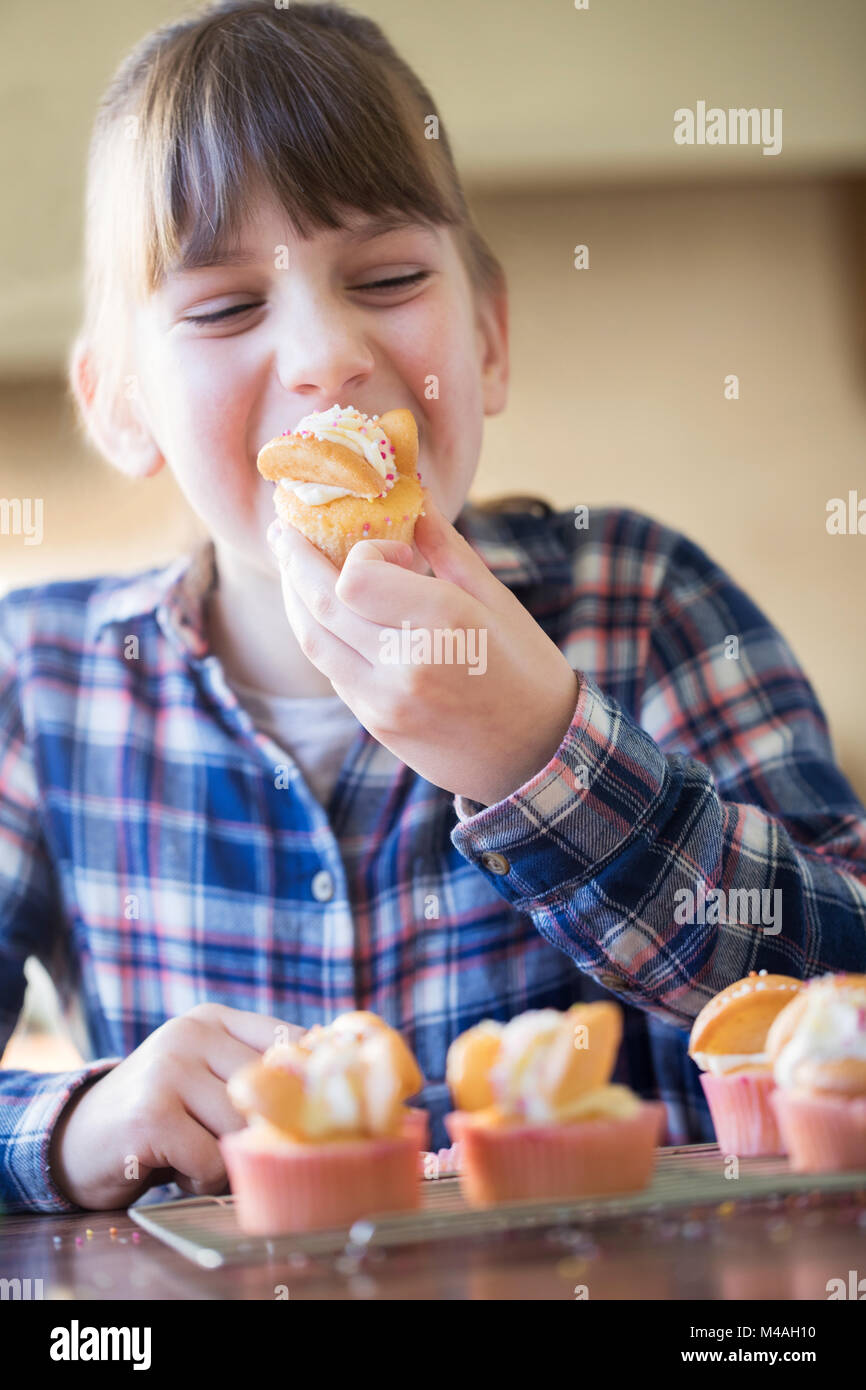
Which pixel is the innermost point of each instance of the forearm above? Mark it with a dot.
(630, 861)
(31, 1106)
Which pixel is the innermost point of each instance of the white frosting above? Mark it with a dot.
(350, 1080)
(831, 1028)
(517, 1077)
(332, 1100)
(528, 1070)
(355, 431)
(718, 1064)
(313, 494)
(381, 1081)
(350, 1025)
(341, 1101)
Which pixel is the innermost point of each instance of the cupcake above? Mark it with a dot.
(329, 1138)
(343, 477)
(817, 1048)
(536, 1116)
(729, 1043)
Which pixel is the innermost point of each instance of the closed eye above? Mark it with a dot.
(220, 314)
(396, 281)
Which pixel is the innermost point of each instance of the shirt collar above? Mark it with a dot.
(519, 548)
(175, 595)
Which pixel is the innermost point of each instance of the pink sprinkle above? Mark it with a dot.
(366, 525)
(405, 517)
(136, 1236)
(389, 475)
(391, 447)
(78, 1240)
(387, 521)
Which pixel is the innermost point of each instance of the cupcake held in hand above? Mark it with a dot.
(344, 477)
(536, 1116)
(817, 1048)
(729, 1043)
(329, 1138)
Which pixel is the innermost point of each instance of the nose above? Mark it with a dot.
(322, 351)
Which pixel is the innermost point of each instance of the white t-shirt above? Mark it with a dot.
(316, 730)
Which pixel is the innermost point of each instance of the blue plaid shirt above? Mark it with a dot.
(154, 853)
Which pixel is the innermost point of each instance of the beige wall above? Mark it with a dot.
(533, 92)
(618, 383)
(617, 397)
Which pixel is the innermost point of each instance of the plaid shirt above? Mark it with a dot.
(157, 850)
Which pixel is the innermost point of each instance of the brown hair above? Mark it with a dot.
(310, 102)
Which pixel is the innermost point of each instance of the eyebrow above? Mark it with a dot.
(238, 257)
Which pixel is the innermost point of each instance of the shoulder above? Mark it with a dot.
(63, 614)
(528, 538)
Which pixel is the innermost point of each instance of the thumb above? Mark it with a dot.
(450, 556)
(376, 552)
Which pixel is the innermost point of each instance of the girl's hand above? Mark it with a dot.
(155, 1117)
(480, 724)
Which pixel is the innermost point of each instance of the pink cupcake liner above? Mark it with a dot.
(823, 1134)
(416, 1126)
(315, 1187)
(741, 1112)
(589, 1158)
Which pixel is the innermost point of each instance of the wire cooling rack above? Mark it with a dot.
(205, 1229)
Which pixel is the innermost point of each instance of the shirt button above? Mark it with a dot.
(495, 863)
(323, 886)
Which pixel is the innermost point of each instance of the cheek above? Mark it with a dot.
(201, 408)
(208, 455)
(455, 419)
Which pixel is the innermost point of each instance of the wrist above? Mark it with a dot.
(537, 753)
(68, 1142)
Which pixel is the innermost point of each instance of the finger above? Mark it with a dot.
(197, 1187)
(371, 587)
(329, 654)
(336, 659)
(205, 1097)
(395, 552)
(398, 552)
(287, 543)
(309, 576)
(191, 1151)
(222, 1054)
(258, 1031)
(451, 557)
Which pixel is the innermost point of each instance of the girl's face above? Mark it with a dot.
(229, 355)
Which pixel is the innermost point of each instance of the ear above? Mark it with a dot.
(118, 430)
(492, 329)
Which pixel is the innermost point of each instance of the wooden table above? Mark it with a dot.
(785, 1249)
